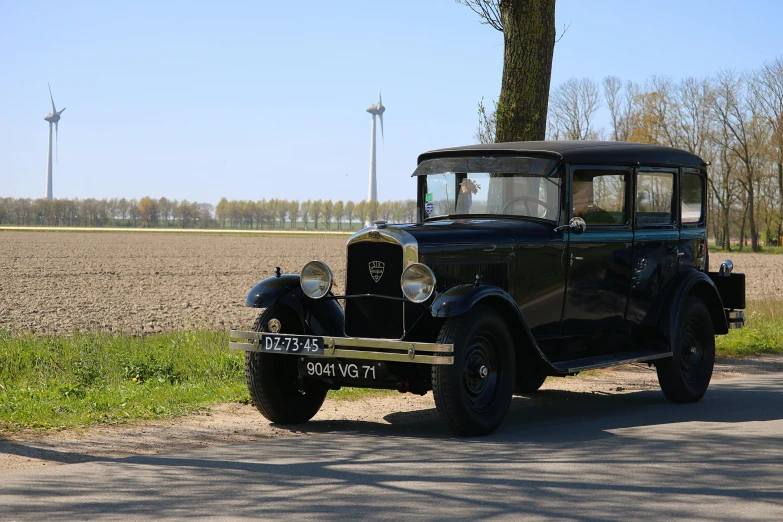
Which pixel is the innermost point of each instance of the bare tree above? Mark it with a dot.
(739, 114)
(572, 110)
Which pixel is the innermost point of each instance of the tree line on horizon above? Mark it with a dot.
(234, 214)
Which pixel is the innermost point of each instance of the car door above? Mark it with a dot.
(598, 271)
(656, 237)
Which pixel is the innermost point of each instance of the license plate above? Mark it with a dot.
(281, 343)
(353, 370)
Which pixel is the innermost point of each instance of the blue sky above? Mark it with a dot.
(254, 99)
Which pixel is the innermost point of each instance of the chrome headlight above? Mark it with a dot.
(315, 279)
(418, 282)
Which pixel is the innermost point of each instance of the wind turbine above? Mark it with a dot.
(376, 110)
(53, 117)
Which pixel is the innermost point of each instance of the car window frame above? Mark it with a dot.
(628, 195)
(675, 172)
(702, 223)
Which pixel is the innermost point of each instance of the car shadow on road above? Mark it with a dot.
(536, 417)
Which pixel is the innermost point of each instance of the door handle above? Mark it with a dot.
(575, 258)
(680, 253)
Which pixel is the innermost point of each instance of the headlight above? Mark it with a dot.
(418, 282)
(315, 279)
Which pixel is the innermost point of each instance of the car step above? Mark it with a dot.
(603, 361)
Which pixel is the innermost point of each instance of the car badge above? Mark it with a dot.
(376, 270)
(274, 325)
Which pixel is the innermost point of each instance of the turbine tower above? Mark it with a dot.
(372, 191)
(53, 117)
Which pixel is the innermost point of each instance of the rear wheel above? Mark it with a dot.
(273, 380)
(473, 394)
(686, 376)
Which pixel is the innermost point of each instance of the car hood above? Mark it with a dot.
(478, 232)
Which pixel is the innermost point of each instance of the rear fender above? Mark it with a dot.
(698, 284)
(460, 299)
(319, 316)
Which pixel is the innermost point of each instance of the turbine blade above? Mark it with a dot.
(56, 142)
(61, 111)
(54, 110)
(381, 117)
(379, 98)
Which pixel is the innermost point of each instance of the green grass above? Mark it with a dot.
(763, 332)
(50, 382)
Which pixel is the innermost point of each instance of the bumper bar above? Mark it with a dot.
(358, 348)
(735, 318)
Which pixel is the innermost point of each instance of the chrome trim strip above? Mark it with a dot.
(390, 234)
(357, 348)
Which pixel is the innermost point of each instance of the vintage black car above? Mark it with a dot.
(528, 260)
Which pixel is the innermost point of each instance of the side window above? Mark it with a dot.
(599, 196)
(692, 198)
(654, 198)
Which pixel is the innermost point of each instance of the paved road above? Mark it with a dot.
(567, 456)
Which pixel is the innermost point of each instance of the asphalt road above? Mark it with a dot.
(567, 456)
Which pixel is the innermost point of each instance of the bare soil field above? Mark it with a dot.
(139, 283)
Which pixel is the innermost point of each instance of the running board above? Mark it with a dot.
(604, 361)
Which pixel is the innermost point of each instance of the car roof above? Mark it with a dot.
(582, 151)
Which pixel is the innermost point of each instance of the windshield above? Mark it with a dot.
(511, 186)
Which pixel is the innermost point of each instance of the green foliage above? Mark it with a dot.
(57, 382)
(48, 381)
(763, 332)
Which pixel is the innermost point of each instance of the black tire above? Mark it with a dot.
(273, 379)
(529, 382)
(686, 376)
(472, 405)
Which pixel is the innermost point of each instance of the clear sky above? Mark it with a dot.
(251, 99)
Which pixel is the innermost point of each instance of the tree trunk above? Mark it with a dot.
(754, 239)
(529, 40)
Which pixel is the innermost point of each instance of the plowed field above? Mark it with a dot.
(136, 283)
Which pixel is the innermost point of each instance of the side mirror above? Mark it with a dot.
(577, 225)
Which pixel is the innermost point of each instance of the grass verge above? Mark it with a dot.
(51, 382)
(763, 332)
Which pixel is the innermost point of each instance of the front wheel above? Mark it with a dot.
(273, 379)
(686, 376)
(473, 394)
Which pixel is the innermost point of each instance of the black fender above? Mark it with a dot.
(319, 316)
(460, 299)
(696, 283)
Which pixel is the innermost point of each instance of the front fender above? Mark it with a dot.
(270, 290)
(319, 316)
(460, 299)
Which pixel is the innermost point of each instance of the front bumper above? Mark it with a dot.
(358, 348)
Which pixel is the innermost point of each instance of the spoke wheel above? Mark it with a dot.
(686, 376)
(473, 395)
(480, 372)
